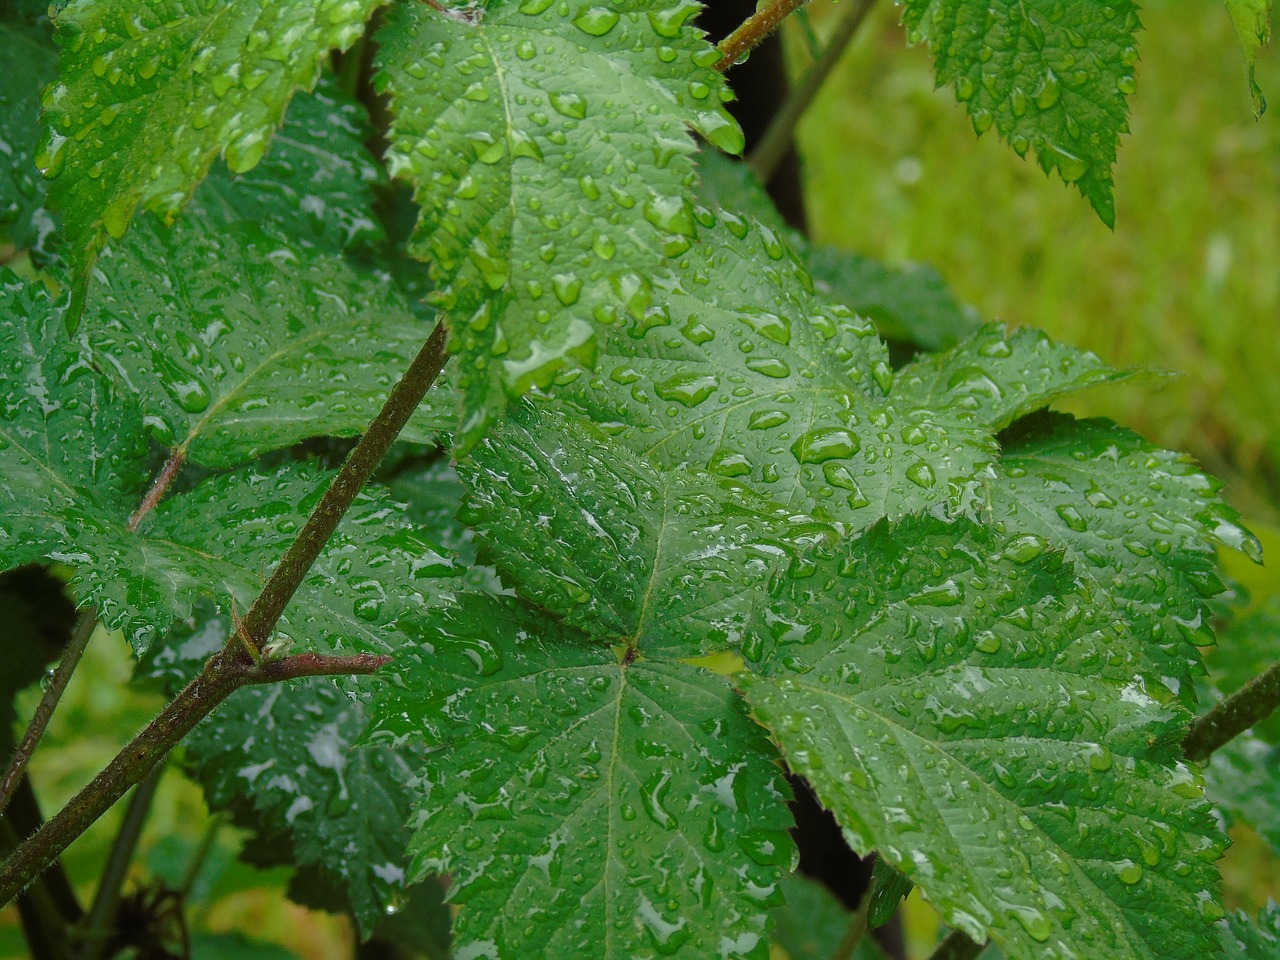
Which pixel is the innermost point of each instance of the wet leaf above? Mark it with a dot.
(1051, 78)
(665, 563)
(734, 365)
(73, 461)
(29, 65)
(315, 184)
(1243, 779)
(548, 147)
(278, 344)
(148, 96)
(974, 714)
(1141, 523)
(1252, 19)
(586, 805)
(1245, 939)
(999, 376)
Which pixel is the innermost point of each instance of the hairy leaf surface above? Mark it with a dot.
(1000, 376)
(548, 149)
(664, 562)
(736, 366)
(149, 95)
(1140, 521)
(1053, 79)
(965, 708)
(586, 805)
(276, 345)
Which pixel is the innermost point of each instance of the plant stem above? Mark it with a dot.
(856, 930)
(753, 30)
(957, 946)
(224, 673)
(1252, 703)
(44, 709)
(778, 137)
(231, 667)
(362, 461)
(159, 486)
(106, 901)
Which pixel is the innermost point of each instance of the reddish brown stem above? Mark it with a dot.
(753, 31)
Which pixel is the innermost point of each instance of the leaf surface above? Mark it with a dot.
(548, 149)
(1053, 79)
(1245, 939)
(586, 805)
(149, 95)
(1252, 19)
(73, 469)
(276, 345)
(1243, 779)
(29, 65)
(1140, 521)
(1000, 376)
(662, 561)
(967, 710)
(734, 365)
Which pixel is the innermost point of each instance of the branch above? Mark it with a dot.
(44, 709)
(231, 667)
(734, 48)
(957, 946)
(1251, 704)
(778, 137)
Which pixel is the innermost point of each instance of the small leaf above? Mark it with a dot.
(1252, 19)
(735, 365)
(1138, 521)
(1054, 79)
(586, 806)
(277, 345)
(910, 302)
(149, 95)
(663, 562)
(501, 109)
(812, 923)
(1244, 939)
(1000, 376)
(968, 711)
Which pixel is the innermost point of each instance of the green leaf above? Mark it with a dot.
(736, 366)
(149, 95)
(235, 946)
(500, 110)
(1243, 939)
(889, 887)
(969, 710)
(661, 562)
(586, 805)
(812, 923)
(911, 302)
(315, 184)
(1252, 19)
(1138, 521)
(277, 345)
(1050, 79)
(1243, 779)
(72, 472)
(29, 65)
(286, 759)
(1000, 376)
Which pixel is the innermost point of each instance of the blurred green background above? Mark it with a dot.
(1187, 282)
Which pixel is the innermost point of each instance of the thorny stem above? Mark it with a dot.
(232, 668)
(753, 30)
(1252, 703)
(778, 137)
(44, 709)
(106, 902)
(957, 946)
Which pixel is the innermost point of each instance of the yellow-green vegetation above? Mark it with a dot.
(1186, 282)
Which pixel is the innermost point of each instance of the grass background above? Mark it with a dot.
(1187, 282)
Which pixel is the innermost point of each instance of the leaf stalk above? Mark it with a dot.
(754, 30)
(1232, 716)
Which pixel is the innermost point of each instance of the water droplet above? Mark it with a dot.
(596, 21)
(569, 104)
(671, 214)
(1026, 548)
(921, 474)
(826, 443)
(689, 389)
